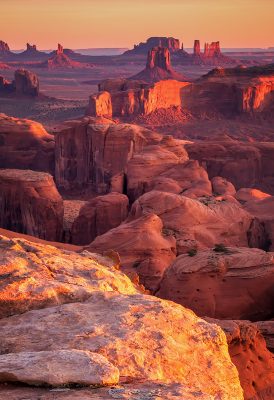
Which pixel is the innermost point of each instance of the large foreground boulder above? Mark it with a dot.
(226, 282)
(144, 337)
(31, 204)
(36, 275)
(25, 144)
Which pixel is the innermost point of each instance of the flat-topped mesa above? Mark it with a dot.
(171, 43)
(197, 47)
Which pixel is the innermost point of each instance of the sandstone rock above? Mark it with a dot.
(71, 212)
(171, 43)
(143, 247)
(4, 48)
(249, 354)
(96, 154)
(249, 194)
(58, 368)
(100, 105)
(26, 83)
(99, 216)
(158, 67)
(143, 100)
(200, 223)
(151, 163)
(31, 204)
(197, 47)
(144, 337)
(60, 60)
(267, 330)
(25, 144)
(222, 186)
(36, 275)
(227, 158)
(224, 283)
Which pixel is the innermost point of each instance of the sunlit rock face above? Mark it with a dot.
(226, 282)
(94, 154)
(200, 223)
(31, 204)
(143, 100)
(248, 352)
(38, 276)
(25, 144)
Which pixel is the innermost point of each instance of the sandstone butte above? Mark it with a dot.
(60, 60)
(189, 357)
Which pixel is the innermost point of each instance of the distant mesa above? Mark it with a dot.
(158, 67)
(171, 43)
(60, 60)
(4, 48)
(212, 54)
(25, 83)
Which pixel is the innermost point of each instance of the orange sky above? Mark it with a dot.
(121, 23)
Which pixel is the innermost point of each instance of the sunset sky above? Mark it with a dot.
(121, 23)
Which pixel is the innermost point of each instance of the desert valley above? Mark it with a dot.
(137, 223)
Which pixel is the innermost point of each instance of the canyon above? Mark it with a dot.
(137, 235)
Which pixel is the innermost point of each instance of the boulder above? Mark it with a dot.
(224, 282)
(98, 216)
(31, 204)
(37, 275)
(146, 338)
(58, 368)
(222, 186)
(25, 144)
(143, 247)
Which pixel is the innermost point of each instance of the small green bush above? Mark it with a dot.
(220, 248)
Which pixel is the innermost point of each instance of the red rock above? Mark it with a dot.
(200, 223)
(25, 144)
(90, 154)
(225, 283)
(60, 60)
(197, 48)
(142, 246)
(249, 354)
(267, 330)
(4, 48)
(26, 83)
(145, 100)
(222, 186)
(99, 216)
(158, 67)
(31, 204)
(172, 44)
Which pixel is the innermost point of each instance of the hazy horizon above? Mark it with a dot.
(121, 24)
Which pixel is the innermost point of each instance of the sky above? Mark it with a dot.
(121, 23)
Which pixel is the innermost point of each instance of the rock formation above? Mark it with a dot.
(158, 67)
(143, 247)
(26, 83)
(25, 144)
(127, 340)
(200, 223)
(164, 94)
(173, 45)
(99, 216)
(30, 203)
(197, 48)
(266, 328)
(223, 283)
(60, 60)
(249, 354)
(90, 154)
(4, 49)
